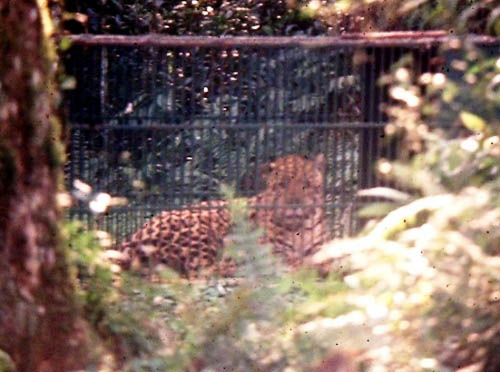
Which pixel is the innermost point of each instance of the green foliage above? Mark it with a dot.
(260, 325)
(462, 16)
(430, 268)
(234, 331)
(203, 17)
(125, 326)
(292, 17)
(246, 323)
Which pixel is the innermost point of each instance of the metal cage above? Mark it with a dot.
(164, 121)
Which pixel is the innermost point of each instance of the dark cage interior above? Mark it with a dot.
(165, 125)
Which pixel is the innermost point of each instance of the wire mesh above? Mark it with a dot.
(166, 125)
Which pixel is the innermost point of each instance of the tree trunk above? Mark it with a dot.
(39, 324)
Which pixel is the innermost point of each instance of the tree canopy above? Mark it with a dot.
(280, 17)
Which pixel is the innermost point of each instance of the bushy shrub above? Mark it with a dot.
(280, 17)
(426, 275)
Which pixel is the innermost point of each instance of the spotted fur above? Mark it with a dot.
(289, 210)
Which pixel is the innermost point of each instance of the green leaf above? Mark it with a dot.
(64, 44)
(472, 122)
(68, 83)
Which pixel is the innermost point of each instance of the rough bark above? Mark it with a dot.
(39, 324)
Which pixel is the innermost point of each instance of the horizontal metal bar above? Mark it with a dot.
(167, 208)
(395, 38)
(160, 127)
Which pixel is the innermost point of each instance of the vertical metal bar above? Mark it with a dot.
(372, 121)
(178, 121)
(106, 176)
(336, 188)
(231, 171)
(335, 101)
(379, 148)
(320, 91)
(342, 137)
(289, 72)
(284, 106)
(279, 105)
(103, 77)
(170, 160)
(93, 114)
(182, 105)
(326, 84)
(253, 120)
(368, 73)
(240, 111)
(250, 94)
(213, 54)
(166, 159)
(308, 92)
(180, 113)
(193, 57)
(356, 154)
(268, 78)
(327, 186)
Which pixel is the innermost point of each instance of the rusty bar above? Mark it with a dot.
(399, 38)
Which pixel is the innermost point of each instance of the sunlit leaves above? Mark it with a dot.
(472, 122)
